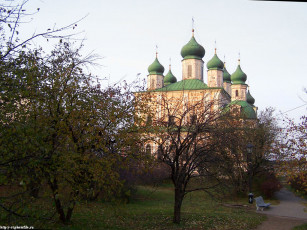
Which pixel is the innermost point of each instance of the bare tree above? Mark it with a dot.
(13, 14)
(292, 149)
(184, 135)
(203, 140)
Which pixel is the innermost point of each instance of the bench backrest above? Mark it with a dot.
(259, 200)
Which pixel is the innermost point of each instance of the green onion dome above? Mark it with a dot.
(169, 78)
(156, 68)
(249, 98)
(238, 77)
(192, 50)
(226, 75)
(215, 63)
(246, 110)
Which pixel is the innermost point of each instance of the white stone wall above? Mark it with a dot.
(227, 87)
(154, 81)
(197, 67)
(241, 89)
(215, 78)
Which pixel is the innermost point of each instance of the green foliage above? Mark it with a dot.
(60, 129)
(63, 138)
(238, 166)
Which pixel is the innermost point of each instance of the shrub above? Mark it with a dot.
(299, 182)
(136, 174)
(267, 184)
(155, 175)
(269, 187)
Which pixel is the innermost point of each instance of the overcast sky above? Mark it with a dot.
(270, 36)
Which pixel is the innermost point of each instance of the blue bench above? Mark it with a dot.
(260, 203)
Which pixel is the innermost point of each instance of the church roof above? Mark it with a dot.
(188, 84)
(238, 77)
(249, 98)
(169, 78)
(156, 68)
(215, 63)
(226, 75)
(192, 50)
(246, 111)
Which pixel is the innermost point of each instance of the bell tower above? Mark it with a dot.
(192, 63)
(238, 87)
(215, 71)
(155, 76)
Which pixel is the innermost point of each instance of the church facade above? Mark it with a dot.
(169, 97)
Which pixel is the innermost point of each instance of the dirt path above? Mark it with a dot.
(280, 223)
(288, 214)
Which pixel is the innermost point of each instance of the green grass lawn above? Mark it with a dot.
(300, 227)
(152, 208)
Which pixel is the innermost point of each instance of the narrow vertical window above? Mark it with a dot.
(148, 149)
(193, 119)
(148, 120)
(171, 120)
(160, 153)
(189, 71)
(237, 93)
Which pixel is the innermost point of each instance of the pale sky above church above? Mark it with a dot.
(271, 38)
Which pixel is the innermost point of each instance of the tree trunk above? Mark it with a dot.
(69, 211)
(33, 187)
(58, 204)
(177, 207)
(72, 204)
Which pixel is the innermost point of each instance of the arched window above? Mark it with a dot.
(237, 93)
(189, 71)
(148, 149)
